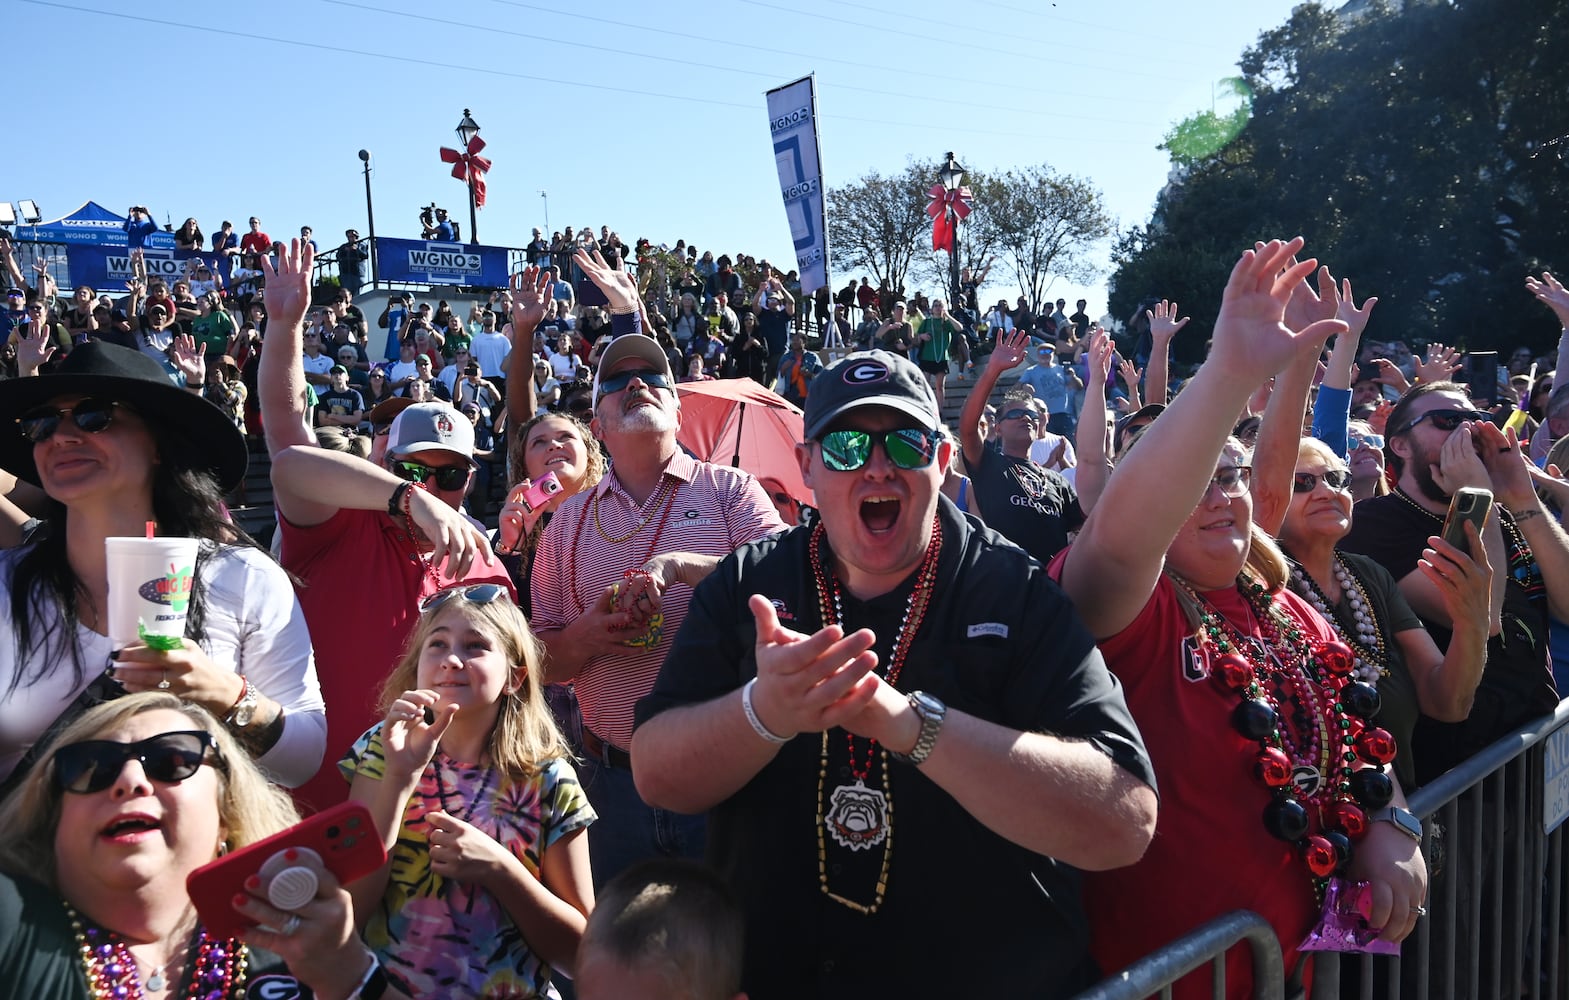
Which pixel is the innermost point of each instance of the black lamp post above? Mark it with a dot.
(952, 175)
(467, 129)
(370, 216)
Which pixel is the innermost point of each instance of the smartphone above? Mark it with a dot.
(540, 492)
(344, 837)
(1467, 505)
(1481, 376)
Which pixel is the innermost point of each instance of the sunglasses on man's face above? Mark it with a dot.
(649, 377)
(1336, 479)
(907, 448)
(93, 765)
(92, 416)
(448, 477)
(1022, 414)
(1444, 420)
(479, 593)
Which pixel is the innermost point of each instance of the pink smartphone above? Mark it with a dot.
(344, 837)
(539, 493)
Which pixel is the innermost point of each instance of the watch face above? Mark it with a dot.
(928, 703)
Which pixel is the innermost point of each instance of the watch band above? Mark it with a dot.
(932, 713)
(245, 709)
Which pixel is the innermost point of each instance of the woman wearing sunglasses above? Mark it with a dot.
(1235, 682)
(117, 447)
(95, 848)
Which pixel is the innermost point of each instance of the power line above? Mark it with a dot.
(925, 99)
(1121, 30)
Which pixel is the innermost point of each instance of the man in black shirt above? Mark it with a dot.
(894, 650)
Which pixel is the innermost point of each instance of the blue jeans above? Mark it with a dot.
(629, 830)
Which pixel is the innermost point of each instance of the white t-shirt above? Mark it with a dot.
(491, 350)
(319, 365)
(253, 626)
(1041, 452)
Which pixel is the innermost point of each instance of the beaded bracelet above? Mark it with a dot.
(751, 716)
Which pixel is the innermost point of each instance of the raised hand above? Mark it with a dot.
(1306, 306)
(1010, 351)
(34, 348)
(408, 740)
(1440, 363)
(531, 295)
(1100, 354)
(1252, 340)
(1551, 293)
(618, 286)
(1163, 321)
(1347, 311)
(289, 283)
(1390, 374)
(189, 359)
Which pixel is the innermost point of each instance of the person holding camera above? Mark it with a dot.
(139, 225)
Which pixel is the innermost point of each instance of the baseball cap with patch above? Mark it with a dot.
(869, 378)
(431, 427)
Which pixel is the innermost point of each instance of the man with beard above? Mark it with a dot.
(615, 570)
(887, 712)
(1439, 442)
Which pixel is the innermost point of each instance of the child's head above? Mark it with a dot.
(662, 929)
(494, 648)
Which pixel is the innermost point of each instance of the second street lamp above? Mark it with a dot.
(951, 176)
(467, 129)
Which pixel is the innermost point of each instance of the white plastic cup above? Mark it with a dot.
(150, 589)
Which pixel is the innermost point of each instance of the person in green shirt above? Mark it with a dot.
(212, 327)
(933, 338)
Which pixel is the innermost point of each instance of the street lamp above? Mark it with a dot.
(370, 214)
(951, 176)
(467, 129)
(546, 199)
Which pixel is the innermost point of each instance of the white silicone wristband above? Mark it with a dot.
(751, 717)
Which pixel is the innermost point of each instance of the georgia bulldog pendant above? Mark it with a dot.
(857, 816)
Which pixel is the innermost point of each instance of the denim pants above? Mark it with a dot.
(628, 830)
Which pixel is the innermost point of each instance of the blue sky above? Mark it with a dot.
(647, 116)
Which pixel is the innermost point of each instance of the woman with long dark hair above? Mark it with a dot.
(116, 447)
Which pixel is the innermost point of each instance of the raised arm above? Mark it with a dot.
(280, 379)
(1164, 325)
(530, 296)
(1112, 568)
(1009, 352)
(1552, 294)
(1093, 432)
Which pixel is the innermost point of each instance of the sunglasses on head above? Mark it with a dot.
(649, 377)
(1335, 479)
(450, 477)
(1355, 441)
(1444, 420)
(478, 593)
(93, 416)
(907, 448)
(1021, 413)
(93, 765)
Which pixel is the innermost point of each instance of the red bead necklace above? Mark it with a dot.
(1323, 761)
(857, 817)
(665, 495)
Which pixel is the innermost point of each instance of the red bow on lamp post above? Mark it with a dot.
(469, 167)
(942, 200)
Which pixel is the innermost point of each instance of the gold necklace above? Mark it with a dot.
(664, 484)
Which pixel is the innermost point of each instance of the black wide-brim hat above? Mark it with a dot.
(200, 436)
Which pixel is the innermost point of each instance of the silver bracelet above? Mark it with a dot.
(751, 716)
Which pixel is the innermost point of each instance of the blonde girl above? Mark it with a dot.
(487, 887)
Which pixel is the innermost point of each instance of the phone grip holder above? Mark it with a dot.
(292, 888)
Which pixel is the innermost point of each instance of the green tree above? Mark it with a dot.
(1045, 224)
(877, 222)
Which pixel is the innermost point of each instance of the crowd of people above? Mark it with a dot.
(1123, 654)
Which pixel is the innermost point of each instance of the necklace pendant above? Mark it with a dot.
(857, 816)
(155, 982)
(1307, 779)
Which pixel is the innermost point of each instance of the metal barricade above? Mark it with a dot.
(1209, 943)
(1496, 901)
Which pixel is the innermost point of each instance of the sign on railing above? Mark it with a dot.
(1555, 780)
(432, 263)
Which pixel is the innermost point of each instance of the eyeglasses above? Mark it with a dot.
(907, 448)
(1444, 420)
(649, 377)
(1233, 480)
(448, 477)
(1355, 441)
(479, 593)
(90, 415)
(1336, 479)
(93, 765)
(1022, 414)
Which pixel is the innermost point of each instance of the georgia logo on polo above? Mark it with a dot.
(866, 372)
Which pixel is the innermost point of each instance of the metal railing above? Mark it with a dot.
(1496, 901)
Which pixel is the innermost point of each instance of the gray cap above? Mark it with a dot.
(430, 427)
(869, 378)
(632, 345)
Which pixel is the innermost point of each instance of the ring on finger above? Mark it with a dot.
(290, 925)
(163, 685)
(1420, 911)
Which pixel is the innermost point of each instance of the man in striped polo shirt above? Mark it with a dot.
(613, 576)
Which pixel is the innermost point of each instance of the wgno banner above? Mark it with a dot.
(431, 263)
(792, 119)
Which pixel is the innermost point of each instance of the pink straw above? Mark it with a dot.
(152, 527)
